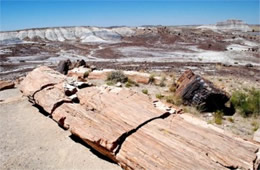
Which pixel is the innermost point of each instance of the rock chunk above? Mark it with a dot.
(64, 66)
(79, 72)
(6, 85)
(195, 90)
(249, 65)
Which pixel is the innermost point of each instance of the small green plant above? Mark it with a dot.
(218, 116)
(230, 119)
(247, 103)
(255, 125)
(173, 87)
(178, 101)
(110, 83)
(162, 82)
(151, 79)
(117, 76)
(210, 122)
(145, 91)
(169, 99)
(86, 74)
(190, 109)
(133, 83)
(128, 85)
(159, 96)
(173, 100)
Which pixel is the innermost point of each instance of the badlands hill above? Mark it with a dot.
(80, 34)
(229, 25)
(96, 34)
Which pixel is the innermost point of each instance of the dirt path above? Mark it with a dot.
(30, 140)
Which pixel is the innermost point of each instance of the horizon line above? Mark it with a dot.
(113, 26)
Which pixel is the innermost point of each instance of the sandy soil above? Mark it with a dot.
(30, 140)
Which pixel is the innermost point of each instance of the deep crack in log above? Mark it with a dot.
(119, 142)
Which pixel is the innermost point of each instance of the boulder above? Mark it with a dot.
(76, 64)
(195, 90)
(64, 66)
(80, 63)
(6, 85)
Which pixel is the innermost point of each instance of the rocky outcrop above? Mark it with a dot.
(195, 90)
(6, 85)
(228, 25)
(233, 24)
(136, 132)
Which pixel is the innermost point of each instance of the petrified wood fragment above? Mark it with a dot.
(6, 85)
(195, 90)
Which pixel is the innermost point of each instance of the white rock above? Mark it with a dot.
(118, 84)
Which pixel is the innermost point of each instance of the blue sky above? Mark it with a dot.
(23, 14)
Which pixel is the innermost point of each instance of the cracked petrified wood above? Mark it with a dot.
(135, 131)
(195, 90)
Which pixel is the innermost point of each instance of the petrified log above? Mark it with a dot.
(184, 142)
(138, 77)
(195, 90)
(64, 66)
(139, 133)
(40, 78)
(99, 74)
(6, 85)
